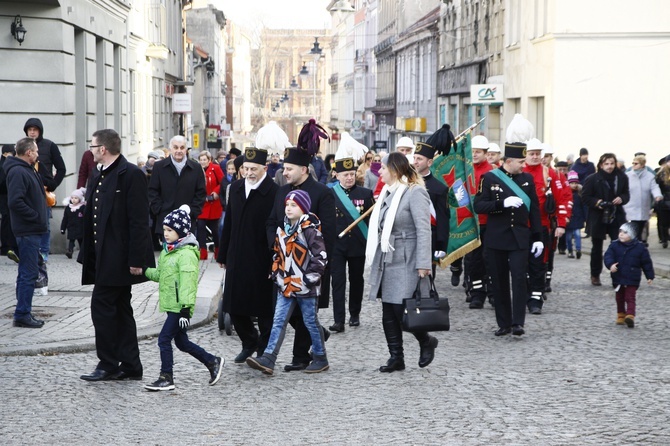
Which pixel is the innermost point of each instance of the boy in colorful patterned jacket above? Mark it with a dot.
(177, 276)
(299, 262)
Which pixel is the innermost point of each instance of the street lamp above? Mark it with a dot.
(316, 54)
(294, 85)
(304, 72)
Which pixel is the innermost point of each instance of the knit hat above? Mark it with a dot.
(156, 154)
(301, 198)
(573, 177)
(629, 229)
(179, 220)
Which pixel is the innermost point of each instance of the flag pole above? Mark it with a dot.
(468, 130)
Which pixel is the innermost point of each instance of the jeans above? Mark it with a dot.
(29, 251)
(575, 234)
(283, 310)
(45, 242)
(171, 330)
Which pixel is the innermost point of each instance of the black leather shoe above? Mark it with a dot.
(517, 330)
(326, 334)
(28, 322)
(354, 321)
(337, 327)
(36, 320)
(427, 353)
(476, 304)
(100, 375)
(129, 376)
(392, 365)
(243, 355)
(455, 278)
(503, 331)
(295, 366)
(535, 310)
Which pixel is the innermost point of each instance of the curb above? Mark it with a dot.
(210, 291)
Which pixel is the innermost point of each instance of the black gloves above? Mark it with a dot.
(184, 318)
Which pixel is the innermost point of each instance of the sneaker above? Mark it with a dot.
(263, 363)
(571, 255)
(629, 320)
(215, 367)
(12, 255)
(164, 382)
(319, 364)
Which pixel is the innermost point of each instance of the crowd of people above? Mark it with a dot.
(272, 214)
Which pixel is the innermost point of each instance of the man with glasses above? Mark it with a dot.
(176, 180)
(116, 249)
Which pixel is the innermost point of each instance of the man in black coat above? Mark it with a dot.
(604, 193)
(7, 239)
(350, 202)
(49, 158)
(116, 248)
(176, 180)
(437, 191)
(245, 255)
(508, 196)
(296, 173)
(29, 217)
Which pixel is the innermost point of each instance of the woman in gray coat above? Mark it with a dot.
(398, 251)
(643, 188)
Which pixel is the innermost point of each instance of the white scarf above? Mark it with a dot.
(373, 231)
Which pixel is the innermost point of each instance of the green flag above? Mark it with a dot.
(456, 171)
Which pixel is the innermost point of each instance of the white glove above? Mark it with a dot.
(512, 202)
(537, 249)
(439, 255)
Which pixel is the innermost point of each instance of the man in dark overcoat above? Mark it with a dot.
(115, 249)
(350, 202)
(604, 194)
(296, 173)
(245, 255)
(176, 180)
(508, 196)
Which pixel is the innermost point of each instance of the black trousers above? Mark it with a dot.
(115, 329)
(663, 221)
(338, 268)
(213, 226)
(597, 248)
(537, 272)
(476, 279)
(250, 337)
(510, 308)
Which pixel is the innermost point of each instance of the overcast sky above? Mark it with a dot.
(292, 14)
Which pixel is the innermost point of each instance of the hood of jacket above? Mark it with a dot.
(188, 240)
(14, 161)
(34, 122)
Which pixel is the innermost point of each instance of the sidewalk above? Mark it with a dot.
(66, 310)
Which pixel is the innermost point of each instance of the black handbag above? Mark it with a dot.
(425, 313)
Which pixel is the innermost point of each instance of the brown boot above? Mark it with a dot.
(629, 320)
(620, 318)
(595, 281)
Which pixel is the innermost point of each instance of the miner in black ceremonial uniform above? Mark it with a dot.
(350, 202)
(437, 191)
(508, 196)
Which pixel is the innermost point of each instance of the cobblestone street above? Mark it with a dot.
(574, 378)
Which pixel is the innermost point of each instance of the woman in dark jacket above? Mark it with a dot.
(605, 192)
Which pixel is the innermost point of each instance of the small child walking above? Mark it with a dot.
(626, 258)
(177, 276)
(73, 219)
(573, 231)
(299, 262)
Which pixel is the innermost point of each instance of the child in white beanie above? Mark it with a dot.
(73, 219)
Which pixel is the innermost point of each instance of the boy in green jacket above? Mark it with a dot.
(177, 275)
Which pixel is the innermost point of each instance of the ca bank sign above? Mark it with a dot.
(486, 94)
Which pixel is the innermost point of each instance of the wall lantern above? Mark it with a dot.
(18, 31)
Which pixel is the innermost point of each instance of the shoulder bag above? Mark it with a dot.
(425, 313)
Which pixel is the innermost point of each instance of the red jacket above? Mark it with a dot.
(481, 169)
(212, 209)
(544, 177)
(567, 195)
